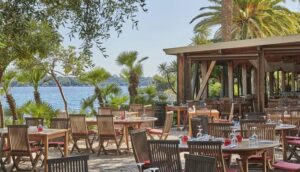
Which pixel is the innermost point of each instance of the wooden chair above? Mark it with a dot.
(164, 133)
(149, 112)
(20, 146)
(225, 107)
(58, 123)
(80, 131)
(2, 165)
(106, 132)
(245, 122)
(140, 148)
(118, 113)
(69, 164)
(293, 144)
(135, 107)
(104, 111)
(263, 132)
(202, 120)
(219, 129)
(164, 154)
(212, 149)
(30, 121)
(199, 163)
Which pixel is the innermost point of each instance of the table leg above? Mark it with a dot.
(126, 136)
(190, 125)
(46, 149)
(245, 162)
(284, 157)
(264, 161)
(178, 119)
(66, 151)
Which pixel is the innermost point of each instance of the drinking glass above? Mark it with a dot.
(199, 134)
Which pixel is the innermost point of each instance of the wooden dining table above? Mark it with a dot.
(245, 150)
(135, 122)
(45, 136)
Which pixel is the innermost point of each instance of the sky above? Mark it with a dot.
(165, 25)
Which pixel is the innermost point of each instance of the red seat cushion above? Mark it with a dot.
(282, 165)
(231, 170)
(51, 144)
(292, 137)
(293, 142)
(226, 155)
(154, 131)
(91, 132)
(35, 149)
(5, 148)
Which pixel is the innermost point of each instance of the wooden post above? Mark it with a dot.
(244, 78)
(282, 81)
(271, 83)
(261, 83)
(230, 79)
(187, 79)
(180, 77)
(293, 82)
(203, 74)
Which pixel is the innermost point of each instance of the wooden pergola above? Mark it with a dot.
(256, 60)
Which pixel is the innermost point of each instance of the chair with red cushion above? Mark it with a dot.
(20, 146)
(212, 149)
(80, 131)
(164, 132)
(58, 123)
(287, 166)
(107, 132)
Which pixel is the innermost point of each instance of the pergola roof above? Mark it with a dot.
(292, 39)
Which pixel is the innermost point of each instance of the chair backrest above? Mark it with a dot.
(118, 113)
(219, 129)
(18, 139)
(105, 124)
(34, 121)
(209, 148)
(135, 107)
(255, 115)
(202, 120)
(104, 111)
(78, 123)
(148, 112)
(139, 145)
(168, 122)
(245, 122)
(164, 154)
(263, 131)
(59, 123)
(199, 163)
(69, 164)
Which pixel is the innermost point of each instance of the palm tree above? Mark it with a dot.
(95, 77)
(227, 16)
(34, 76)
(251, 19)
(132, 72)
(7, 79)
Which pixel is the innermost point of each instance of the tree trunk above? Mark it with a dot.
(1, 108)
(99, 97)
(227, 15)
(133, 85)
(37, 97)
(12, 106)
(61, 91)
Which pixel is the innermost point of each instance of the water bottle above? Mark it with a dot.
(253, 138)
(233, 138)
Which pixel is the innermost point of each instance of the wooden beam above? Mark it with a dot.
(293, 82)
(224, 56)
(244, 78)
(230, 79)
(261, 83)
(205, 80)
(282, 81)
(271, 83)
(203, 73)
(254, 63)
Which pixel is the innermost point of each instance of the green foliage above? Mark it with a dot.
(167, 78)
(95, 77)
(87, 106)
(214, 88)
(118, 101)
(131, 72)
(43, 110)
(251, 19)
(146, 95)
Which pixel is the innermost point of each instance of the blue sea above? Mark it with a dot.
(74, 95)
